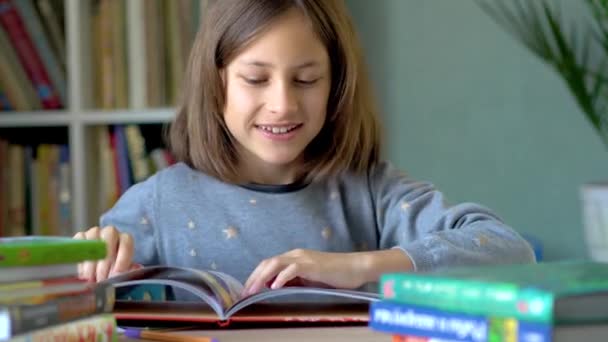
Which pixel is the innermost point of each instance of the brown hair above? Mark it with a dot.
(350, 137)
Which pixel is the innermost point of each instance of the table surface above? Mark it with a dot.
(316, 334)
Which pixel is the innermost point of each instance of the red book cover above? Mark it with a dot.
(29, 57)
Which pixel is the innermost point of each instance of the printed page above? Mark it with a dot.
(217, 289)
(305, 294)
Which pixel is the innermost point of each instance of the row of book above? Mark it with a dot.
(36, 183)
(122, 159)
(32, 55)
(35, 190)
(545, 302)
(42, 298)
(140, 49)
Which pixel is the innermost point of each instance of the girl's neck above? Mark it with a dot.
(268, 174)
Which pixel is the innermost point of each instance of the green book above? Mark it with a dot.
(48, 250)
(549, 292)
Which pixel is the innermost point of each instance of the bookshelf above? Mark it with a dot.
(82, 113)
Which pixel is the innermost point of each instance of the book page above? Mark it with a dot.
(218, 290)
(303, 294)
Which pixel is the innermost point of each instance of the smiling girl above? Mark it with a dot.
(280, 176)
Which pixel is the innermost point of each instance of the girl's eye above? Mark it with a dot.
(307, 82)
(254, 81)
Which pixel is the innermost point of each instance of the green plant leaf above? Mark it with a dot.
(540, 27)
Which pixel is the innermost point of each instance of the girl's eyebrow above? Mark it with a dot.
(257, 63)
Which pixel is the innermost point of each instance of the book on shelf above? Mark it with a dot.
(124, 158)
(211, 296)
(19, 91)
(14, 24)
(547, 292)
(140, 50)
(33, 23)
(413, 323)
(36, 196)
(51, 13)
(4, 177)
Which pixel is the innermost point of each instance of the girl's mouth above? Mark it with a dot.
(279, 132)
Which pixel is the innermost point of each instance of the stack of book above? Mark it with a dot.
(41, 296)
(552, 301)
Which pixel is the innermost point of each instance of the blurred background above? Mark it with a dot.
(467, 107)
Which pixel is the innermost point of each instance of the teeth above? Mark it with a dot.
(278, 130)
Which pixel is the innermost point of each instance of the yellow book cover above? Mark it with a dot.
(16, 191)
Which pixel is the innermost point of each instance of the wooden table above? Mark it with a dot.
(338, 334)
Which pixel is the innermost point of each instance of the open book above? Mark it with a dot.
(221, 293)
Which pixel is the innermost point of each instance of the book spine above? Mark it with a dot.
(25, 318)
(13, 24)
(65, 192)
(411, 320)
(468, 296)
(15, 192)
(136, 53)
(136, 148)
(122, 154)
(42, 181)
(99, 328)
(45, 253)
(14, 76)
(5, 104)
(4, 169)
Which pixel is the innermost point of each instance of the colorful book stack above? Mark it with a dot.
(552, 301)
(41, 296)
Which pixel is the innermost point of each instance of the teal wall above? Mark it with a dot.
(468, 108)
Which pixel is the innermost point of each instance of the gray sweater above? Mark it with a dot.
(183, 217)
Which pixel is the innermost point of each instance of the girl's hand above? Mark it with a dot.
(119, 255)
(306, 267)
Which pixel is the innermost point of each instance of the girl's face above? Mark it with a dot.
(276, 98)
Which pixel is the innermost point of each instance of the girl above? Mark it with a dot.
(280, 177)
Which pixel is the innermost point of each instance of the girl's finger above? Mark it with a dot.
(110, 236)
(124, 256)
(80, 236)
(89, 267)
(287, 274)
(253, 276)
(271, 269)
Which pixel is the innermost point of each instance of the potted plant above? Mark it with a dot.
(578, 52)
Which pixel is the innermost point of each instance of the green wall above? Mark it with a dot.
(468, 108)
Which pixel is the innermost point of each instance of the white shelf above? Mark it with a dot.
(87, 118)
(141, 116)
(35, 119)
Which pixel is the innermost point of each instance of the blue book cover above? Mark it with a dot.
(5, 104)
(405, 319)
(65, 190)
(123, 158)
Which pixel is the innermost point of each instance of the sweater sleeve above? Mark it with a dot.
(134, 213)
(414, 217)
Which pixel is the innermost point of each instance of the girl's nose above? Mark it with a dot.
(282, 99)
